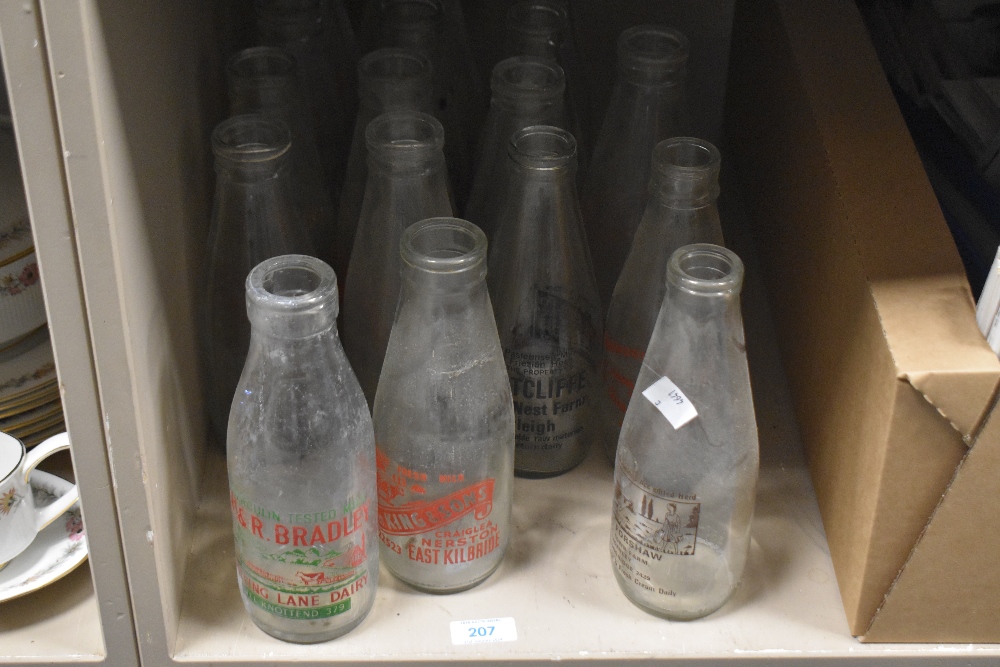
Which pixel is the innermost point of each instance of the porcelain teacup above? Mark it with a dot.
(20, 521)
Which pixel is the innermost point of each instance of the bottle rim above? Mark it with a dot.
(304, 17)
(307, 283)
(444, 246)
(398, 134)
(542, 147)
(652, 49)
(537, 18)
(687, 156)
(251, 139)
(261, 63)
(706, 269)
(528, 77)
(393, 66)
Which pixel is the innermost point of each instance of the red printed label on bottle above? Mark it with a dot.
(452, 523)
(301, 565)
(621, 368)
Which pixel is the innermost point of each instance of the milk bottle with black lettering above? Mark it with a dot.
(686, 468)
(301, 459)
(444, 423)
(546, 304)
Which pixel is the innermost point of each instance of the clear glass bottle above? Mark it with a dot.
(687, 459)
(444, 422)
(301, 455)
(647, 106)
(389, 79)
(407, 182)
(318, 34)
(547, 310)
(542, 28)
(435, 29)
(526, 91)
(254, 217)
(264, 80)
(681, 210)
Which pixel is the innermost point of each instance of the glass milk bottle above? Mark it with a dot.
(254, 217)
(407, 182)
(444, 422)
(546, 304)
(301, 455)
(686, 469)
(526, 91)
(681, 210)
(646, 107)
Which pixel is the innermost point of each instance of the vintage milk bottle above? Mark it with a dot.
(444, 423)
(681, 210)
(301, 456)
(254, 217)
(389, 79)
(407, 182)
(264, 80)
(526, 91)
(687, 456)
(546, 303)
(647, 106)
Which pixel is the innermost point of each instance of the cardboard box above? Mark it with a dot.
(893, 383)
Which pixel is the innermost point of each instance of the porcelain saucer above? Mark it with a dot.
(57, 550)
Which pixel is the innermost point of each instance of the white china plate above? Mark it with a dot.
(56, 551)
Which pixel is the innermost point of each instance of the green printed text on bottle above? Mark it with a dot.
(301, 565)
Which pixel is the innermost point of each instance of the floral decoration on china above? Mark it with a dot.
(47, 368)
(20, 230)
(11, 285)
(8, 501)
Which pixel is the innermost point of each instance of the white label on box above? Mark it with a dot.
(671, 402)
(483, 631)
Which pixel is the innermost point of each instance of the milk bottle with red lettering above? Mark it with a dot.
(301, 457)
(444, 420)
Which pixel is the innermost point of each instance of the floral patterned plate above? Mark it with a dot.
(27, 366)
(57, 550)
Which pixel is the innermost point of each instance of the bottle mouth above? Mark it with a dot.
(444, 246)
(292, 284)
(261, 62)
(250, 139)
(528, 77)
(688, 168)
(706, 269)
(537, 18)
(652, 52)
(292, 17)
(542, 147)
(392, 66)
(398, 134)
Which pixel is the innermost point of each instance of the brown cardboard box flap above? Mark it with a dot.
(929, 323)
(950, 587)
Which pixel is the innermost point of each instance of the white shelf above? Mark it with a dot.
(58, 624)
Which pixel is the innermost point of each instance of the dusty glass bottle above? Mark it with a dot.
(254, 217)
(547, 310)
(301, 458)
(647, 106)
(389, 79)
(318, 34)
(681, 210)
(526, 91)
(541, 28)
(407, 182)
(263, 80)
(434, 28)
(444, 422)
(687, 459)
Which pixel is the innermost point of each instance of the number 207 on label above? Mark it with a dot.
(483, 631)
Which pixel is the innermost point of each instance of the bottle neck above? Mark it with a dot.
(685, 173)
(443, 259)
(652, 56)
(292, 297)
(395, 79)
(405, 143)
(413, 24)
(525, 86)
(704, 283)
(251, 149)
(536, 28)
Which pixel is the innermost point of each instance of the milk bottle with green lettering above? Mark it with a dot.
(301, 456)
